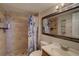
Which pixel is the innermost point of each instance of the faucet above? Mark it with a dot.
(64, 47)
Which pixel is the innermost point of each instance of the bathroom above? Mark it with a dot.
(23, 32)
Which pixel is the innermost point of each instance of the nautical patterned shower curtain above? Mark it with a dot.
(32, 34)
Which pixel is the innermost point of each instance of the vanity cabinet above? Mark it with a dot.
(44, 53)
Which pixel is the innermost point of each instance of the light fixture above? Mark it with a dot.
(62, 4)
(57, 7)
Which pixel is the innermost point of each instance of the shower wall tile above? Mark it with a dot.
(18, 52)
(19, 38)
(2, 52)
(2, 42)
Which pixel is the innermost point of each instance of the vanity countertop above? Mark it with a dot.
(53, 50)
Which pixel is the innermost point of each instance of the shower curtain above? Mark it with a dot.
(32, 34)
(46, 26)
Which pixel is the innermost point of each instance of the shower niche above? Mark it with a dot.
(3, 24)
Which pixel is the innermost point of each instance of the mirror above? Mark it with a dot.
(63, 24)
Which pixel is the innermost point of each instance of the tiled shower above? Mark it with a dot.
(13, 41)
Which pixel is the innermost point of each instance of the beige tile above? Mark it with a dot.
(2, 43)
(2, 52)
(20, 44)
(18, 52)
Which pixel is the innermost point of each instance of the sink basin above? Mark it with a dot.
(53, 50)
(63, 52)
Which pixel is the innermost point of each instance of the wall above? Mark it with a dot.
(17, 35)
(2, 38)
(50, 39)
(15, 40)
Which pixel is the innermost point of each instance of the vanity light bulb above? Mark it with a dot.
(57, 7)
(62, 4)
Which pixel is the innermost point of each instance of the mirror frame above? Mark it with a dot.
(60, 36)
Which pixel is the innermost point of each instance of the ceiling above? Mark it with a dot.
(27, 7)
